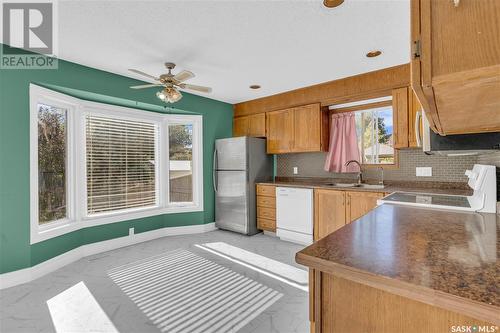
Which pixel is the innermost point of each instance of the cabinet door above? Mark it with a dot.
(307, 129)
(254, 125)
(414, 120)
(240, 126)
(400, 115)
(420, 70)
(360, 203)
(257, 125)
(280, 131)
(463, 36)
(329, 212)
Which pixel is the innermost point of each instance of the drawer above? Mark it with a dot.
(267, 190)
(265, 224)
(263, 201)
(267, 213)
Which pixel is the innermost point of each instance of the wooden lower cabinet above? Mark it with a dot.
(360, 203)
(344, 306)
(266, 207)
(334, 208)
(329, 212)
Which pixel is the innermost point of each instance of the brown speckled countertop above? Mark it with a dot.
(421, 187)
(452, 255)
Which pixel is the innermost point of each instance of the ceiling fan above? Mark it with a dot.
(171, 83)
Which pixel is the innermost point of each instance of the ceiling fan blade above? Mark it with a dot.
(142, 86)
(196, 88)
(143, 74)
(183, 76)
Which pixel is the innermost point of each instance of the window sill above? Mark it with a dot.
(63, 227)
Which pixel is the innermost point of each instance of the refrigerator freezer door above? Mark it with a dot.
(231, 154)
(231, 207)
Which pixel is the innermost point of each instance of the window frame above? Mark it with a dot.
(197, 154)
(363, 105)
(76, 182)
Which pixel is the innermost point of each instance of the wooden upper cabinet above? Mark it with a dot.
(254, 125)
(299, 129)
(329, 212)
(360, 203)
(455, 67)
(307, 125)
(400, 117)
(240, 126)
(280, 132)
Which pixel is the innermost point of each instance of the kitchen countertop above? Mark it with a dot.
(389, 188)
(443, 258)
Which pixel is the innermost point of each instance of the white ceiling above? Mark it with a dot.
(281, 45)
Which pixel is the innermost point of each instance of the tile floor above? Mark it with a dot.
(213, 282)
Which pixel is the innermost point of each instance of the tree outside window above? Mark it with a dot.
(181, 163)
(51, 163)
(374, 128)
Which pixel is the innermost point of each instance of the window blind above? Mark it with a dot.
(121, 164)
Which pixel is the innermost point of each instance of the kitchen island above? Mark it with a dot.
(406, 269)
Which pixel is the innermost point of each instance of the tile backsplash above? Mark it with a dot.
(490, 159)
(444, 169)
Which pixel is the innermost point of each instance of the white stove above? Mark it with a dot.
(482, 180)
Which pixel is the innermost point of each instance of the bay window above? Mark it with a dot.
(52, 157)
(93, 163)
(121, 159)
(180, 140)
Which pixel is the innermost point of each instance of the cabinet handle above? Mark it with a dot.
(418, 136)
(456, 3)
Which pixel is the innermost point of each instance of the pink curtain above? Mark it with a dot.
(343, 143)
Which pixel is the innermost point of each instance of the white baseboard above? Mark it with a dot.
(24, 275)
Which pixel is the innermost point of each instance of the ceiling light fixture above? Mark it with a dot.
(373, 54)
(254, 86)
(169, 95)
(332, 3)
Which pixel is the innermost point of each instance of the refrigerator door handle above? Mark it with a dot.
(214, 171)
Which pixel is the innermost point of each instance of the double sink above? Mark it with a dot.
(357, 185)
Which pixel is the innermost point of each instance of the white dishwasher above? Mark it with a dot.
(294, 214)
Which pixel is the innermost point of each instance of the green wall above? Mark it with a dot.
(92, 84)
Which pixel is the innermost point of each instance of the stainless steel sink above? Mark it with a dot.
(371, 186)
(342, 184)
(367, 186)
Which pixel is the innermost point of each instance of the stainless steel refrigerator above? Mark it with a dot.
(238, 164)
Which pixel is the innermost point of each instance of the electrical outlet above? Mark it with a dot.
(295, 170)
(424, 171)
(131, 231)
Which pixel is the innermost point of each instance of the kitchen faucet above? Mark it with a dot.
(381, 179)
(360, 174)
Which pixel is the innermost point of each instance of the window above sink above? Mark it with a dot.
(375, 123)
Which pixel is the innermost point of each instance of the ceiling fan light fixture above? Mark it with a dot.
(169, 95)
(161, 95)
(171, 83)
